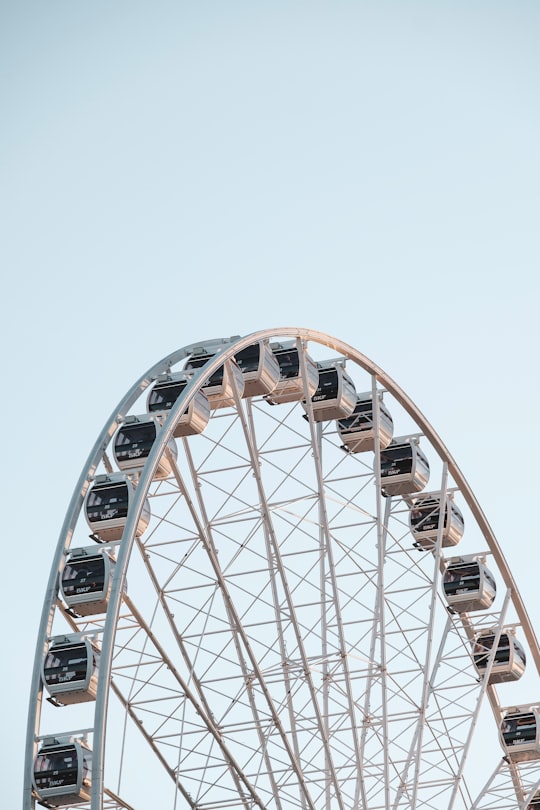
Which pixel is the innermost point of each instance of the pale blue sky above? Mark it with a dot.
(175, 171)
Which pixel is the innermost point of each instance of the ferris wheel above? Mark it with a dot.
(275, 589)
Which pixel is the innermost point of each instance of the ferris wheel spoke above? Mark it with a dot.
(197, 699)
(426, 664)
(242, 645)
(155, 749)
(150, 656)
(379, 633)
(249, 432)
(161, 591)
(328, 575)
(274, 554)
(203, 712)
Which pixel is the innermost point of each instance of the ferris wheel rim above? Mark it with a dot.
(229, 348)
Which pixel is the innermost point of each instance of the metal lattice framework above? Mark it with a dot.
(275, 639)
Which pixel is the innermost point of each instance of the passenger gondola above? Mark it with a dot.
(290, 387)
(404, 468)
(164, 394)
(63, 771)
(468, 584)
(509, 662)
(259, 368)
(221, 385)
(357, 432)
(335, 395)
(133, 442)
(85, 582)
(520, 733)
(107, 505)
(425, 519)
(70, 669)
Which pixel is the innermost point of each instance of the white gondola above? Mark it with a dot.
(290, 387)
(107, 506)
(404, 468)
(259, 367)
(335, 395)
(70, 669)
(468, 584)
(510, 660)
(164, 394)
(133, 442)
(425, 518)
(62, 771)
(220, 386)
(85, 582)
(357, 432)
(520, 733)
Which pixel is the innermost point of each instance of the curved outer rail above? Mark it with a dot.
(225, 349)
(64, 540)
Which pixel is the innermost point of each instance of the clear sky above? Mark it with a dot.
(177, 171)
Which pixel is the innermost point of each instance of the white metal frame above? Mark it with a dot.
(338, 713)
